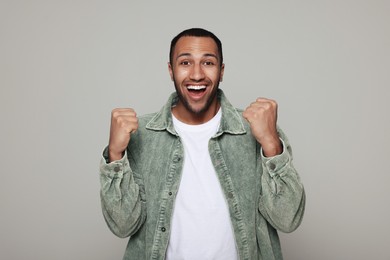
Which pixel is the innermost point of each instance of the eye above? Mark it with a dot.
(185, 63)
(209, 63)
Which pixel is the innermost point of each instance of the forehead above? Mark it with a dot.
(195, 46)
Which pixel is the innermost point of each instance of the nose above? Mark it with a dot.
(197, 72)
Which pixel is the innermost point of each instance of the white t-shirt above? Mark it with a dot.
(201, 226)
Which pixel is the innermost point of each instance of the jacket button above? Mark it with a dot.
(170, 193)
(163, 229)
(117, 169)
(272, 166)
(230, 195)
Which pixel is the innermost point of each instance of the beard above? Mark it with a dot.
(189, 107)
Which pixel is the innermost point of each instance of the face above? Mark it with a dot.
(196, 73)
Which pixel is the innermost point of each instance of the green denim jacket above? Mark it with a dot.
(138, 192)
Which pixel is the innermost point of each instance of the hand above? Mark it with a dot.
(262, 117)
(124, 121)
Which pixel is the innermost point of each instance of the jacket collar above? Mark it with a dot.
(231, 121)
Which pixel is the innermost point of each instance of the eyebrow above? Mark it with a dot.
(189, 54)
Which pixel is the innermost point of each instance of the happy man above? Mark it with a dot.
(200, 179)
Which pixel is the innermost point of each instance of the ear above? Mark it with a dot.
(221, 73)
(170, 69)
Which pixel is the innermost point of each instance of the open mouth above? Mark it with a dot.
(196, 89)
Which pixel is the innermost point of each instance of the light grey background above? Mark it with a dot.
(64, 65)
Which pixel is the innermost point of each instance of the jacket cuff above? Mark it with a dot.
(113, 169)
(277, 163)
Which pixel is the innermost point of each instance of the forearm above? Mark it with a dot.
(121, 201)
(272, 146)
(282, 201)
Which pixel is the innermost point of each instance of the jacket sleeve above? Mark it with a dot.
(282, 199)
(121, 197)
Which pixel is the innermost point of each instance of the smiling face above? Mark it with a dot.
(196, 73)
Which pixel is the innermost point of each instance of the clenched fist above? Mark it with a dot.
(124, 121)
(262, 116)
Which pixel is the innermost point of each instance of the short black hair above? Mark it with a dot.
(196, 32)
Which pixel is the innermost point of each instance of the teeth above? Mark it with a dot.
(196, 87)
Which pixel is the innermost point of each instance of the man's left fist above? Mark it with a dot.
(262, 116)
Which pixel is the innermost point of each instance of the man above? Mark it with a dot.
(200, 179)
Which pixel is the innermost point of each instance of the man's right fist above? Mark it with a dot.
(124, 121)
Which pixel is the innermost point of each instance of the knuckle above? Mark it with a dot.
(114, 112)
(122, 124)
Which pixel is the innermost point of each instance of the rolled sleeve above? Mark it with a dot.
(282, 201)
(121, 201)
(276, 164)
(113, 169)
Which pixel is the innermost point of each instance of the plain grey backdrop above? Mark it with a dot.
(64, 65)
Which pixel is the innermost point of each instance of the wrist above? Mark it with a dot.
(272, 147)
(114, 156)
